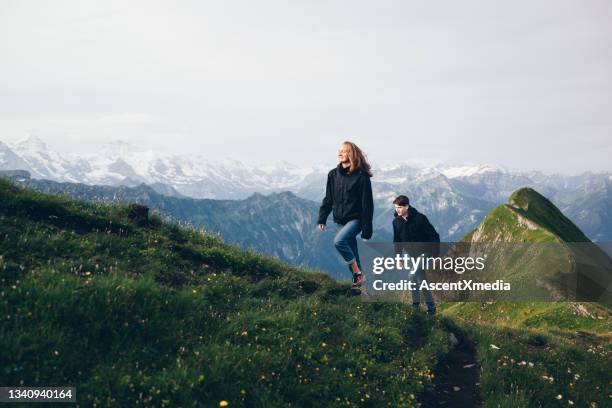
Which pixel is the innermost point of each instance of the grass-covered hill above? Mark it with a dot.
(527, 217)
(533, 246)
(281, 225)
(151, 314)
(158, 315)
(517, 336)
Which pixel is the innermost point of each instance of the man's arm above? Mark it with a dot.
(432, 236)
(397, 246)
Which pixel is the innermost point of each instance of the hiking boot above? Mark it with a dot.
(432, 312)
(358, 279)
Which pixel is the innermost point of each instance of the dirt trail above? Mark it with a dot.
(457, 378)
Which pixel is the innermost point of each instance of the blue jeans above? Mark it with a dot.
(345, 242)
(417, 278)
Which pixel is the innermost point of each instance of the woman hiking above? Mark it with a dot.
(349, 194)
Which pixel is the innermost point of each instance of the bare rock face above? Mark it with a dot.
(526, 222)
(139, 214)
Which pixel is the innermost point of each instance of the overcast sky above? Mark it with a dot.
(523, 84)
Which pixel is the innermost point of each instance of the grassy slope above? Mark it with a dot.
(162, 316)
(539, 209)
(569, 342)
(168, 316)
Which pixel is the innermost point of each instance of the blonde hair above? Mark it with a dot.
(357, 159)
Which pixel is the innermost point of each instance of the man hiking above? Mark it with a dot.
(418, 236)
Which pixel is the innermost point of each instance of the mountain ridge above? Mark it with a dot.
(455, 197)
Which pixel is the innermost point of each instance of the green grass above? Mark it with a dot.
(521, 345)
(502, 222)
(569, 342)
(562, 317)
(138, 342)
(538, 369)
(162, 316)
(538, 208)
(166, 316)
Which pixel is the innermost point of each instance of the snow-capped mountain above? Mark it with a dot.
(119, 163)
(9, 160)
(455, 197)
(45, 162)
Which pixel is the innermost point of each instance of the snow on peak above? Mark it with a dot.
(31, 144)
(467, 171)
(44, 162)
(196, 175)
(428, 173)
(117, 148)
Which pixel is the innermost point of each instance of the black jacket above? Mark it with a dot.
(416, 228)
(350, 198)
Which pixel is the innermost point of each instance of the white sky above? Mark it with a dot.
(523, 84)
